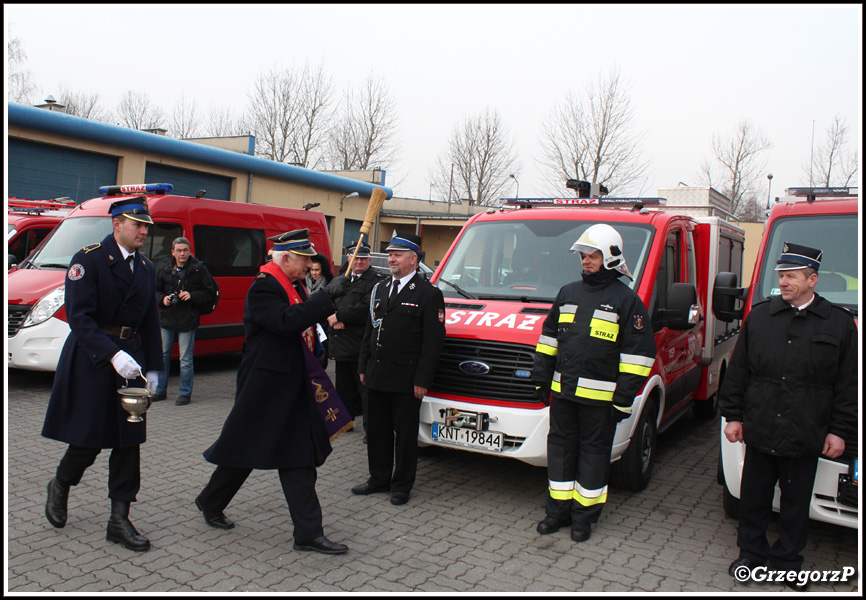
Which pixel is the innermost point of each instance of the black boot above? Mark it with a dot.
(55, 505)
(120, 530)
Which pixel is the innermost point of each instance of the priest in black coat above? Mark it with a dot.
(275, 423)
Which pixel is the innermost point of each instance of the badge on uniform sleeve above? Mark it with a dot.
(441, 315)
(76, 272)
(638, 322)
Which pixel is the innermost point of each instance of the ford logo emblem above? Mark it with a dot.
(473, 367)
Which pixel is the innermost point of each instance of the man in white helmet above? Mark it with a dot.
(594, 354)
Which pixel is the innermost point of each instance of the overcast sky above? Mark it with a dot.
(694, 70)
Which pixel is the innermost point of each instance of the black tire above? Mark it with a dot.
(634, 470)
(729, 503)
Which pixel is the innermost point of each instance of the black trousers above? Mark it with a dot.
(392, 438)
(796, 477)
(349, 388)
(299, 488)
(578, 460)
(124, 469)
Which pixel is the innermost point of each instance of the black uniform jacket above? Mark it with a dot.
(84, 409)
(404, 350)
(353, 310)
(793, 378)
(274, 422)
(197, 280)
(596, 343)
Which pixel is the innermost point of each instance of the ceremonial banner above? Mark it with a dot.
(337, 418)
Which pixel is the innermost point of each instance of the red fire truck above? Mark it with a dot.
(29, 222)
(499, 279)
(824, 218)
(230, 237)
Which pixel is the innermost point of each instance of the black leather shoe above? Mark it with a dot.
(580, 533)
(55, 505)
(321, 544)
(120, 530)
(158, 397)
(738, 564)
(399, 498)
(368, 487)
(796, 585)
(214, 519)
(182, 400)
(551, 525)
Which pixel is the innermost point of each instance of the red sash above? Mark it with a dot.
(270, 268)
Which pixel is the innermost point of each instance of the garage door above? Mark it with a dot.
(41, 171)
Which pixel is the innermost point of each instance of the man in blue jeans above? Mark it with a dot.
(183, 287)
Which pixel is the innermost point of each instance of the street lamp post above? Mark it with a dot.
(769, 188)
(517, 195)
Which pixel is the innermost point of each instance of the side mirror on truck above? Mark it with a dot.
(683, 311)
(10, 261)
(725, 296)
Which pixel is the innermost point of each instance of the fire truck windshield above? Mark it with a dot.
(70, 236)
(528, 260)
(836, 236)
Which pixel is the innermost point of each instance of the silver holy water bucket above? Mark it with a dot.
(135, 401)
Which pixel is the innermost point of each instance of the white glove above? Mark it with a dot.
(125, 365)
(152, 378)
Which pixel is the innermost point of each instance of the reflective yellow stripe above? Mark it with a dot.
(555, 383)
(595, 389)
(547, 345)
(594, 394)
(560, 494)
(590, 497)
(634, 369)
(566, 317)
(566, 313)
(605, 330)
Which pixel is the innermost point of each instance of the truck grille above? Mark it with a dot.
(500, 383)
(17, 314)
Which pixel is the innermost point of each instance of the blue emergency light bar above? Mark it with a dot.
(822, 192)
(139, 188)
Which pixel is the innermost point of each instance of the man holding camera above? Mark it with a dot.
(183, 287)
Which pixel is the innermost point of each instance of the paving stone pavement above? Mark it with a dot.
(469, 526)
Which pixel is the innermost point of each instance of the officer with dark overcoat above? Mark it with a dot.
(398, 359)
(114, 339)
(275, 423)
(790, 394)
(347, 331)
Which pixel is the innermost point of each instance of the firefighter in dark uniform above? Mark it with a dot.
(790, 394)
(398, 359)
(595, 351)
(114, 339)
(347, 331)
(275, 423)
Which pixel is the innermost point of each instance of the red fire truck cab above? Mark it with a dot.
(499, 279)
(28, 222)
(229, 237)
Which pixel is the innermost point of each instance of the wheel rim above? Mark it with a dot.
(646, 449)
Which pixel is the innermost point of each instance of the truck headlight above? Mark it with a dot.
(49, 304)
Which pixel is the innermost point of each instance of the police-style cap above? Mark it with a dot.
(297, 241)
(132, 208)
(405, 241)
(362, 252)
(795, 256)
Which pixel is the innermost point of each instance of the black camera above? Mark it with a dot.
(173, 299)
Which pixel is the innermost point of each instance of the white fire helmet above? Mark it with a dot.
(606, 239)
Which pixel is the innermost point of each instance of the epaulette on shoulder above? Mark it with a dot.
(261, 275)
(146, 259)
(91, 247)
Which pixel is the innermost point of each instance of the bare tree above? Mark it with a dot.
(478, 162)
(185, 120)
(137, 112)
(832, 164)
(20, 86)
(591, 136)
(737, 166)
(81, 104)
(222, 122)
(289, 112)
(366, 130)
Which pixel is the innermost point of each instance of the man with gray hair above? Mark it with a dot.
(183, 287)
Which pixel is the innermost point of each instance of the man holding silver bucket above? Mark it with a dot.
(114, 339)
